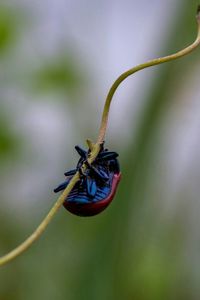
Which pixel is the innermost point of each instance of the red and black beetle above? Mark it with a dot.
(97, 185)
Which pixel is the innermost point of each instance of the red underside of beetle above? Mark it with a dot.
(91, 209)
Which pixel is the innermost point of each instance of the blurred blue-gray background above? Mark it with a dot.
(57, 62)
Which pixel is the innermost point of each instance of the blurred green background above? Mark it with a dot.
(57, 61)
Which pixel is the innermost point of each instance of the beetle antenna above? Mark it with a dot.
(80, 151)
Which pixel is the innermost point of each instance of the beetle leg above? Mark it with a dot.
(62, 186)
(91, 186)
(99, 173)
(81, 172)
(70, 173)
(107, 155)
(81, 151)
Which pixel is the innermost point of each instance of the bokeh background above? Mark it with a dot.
(57, 62)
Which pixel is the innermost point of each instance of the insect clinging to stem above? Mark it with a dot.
(97, 185)
(95, 179)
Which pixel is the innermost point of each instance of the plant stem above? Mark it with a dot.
(36, 234)
(122, 77)
(95, 148)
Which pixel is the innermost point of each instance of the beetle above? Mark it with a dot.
(97, 184)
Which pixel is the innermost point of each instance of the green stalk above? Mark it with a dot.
(95, 148)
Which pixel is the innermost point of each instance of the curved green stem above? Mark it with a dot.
(37, 233)
(95, 148)
(147, 64)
